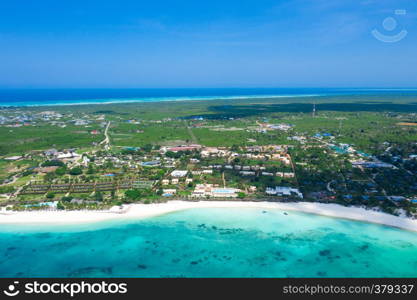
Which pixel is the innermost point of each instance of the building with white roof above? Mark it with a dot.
(283, 191)
(209, 190)
(179, 173)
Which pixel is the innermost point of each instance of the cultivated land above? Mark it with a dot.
(354, 150)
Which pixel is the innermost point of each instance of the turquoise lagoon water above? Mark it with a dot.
(230, 242)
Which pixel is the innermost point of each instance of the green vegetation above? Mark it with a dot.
(136, 163)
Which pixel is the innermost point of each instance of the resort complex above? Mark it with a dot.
(102, 158)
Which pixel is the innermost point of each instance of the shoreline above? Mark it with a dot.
(155, 100)
(141, 211)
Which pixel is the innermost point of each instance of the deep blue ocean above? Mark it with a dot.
(210, 242)
(30, 97)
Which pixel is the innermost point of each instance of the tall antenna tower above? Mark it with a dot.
(314, 109)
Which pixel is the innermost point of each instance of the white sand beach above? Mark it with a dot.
(137, 211)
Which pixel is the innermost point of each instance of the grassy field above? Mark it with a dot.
(123, 134)
(26, 138)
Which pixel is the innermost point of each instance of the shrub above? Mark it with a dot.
(66, 198)
(50, 195)
(76, 171)
(53, 163)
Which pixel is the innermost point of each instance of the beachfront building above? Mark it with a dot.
(209, 190)
(224, 192)
(283, 191)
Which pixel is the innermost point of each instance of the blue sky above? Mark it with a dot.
(228, 43)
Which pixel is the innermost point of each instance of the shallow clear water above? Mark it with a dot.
(211, 242)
